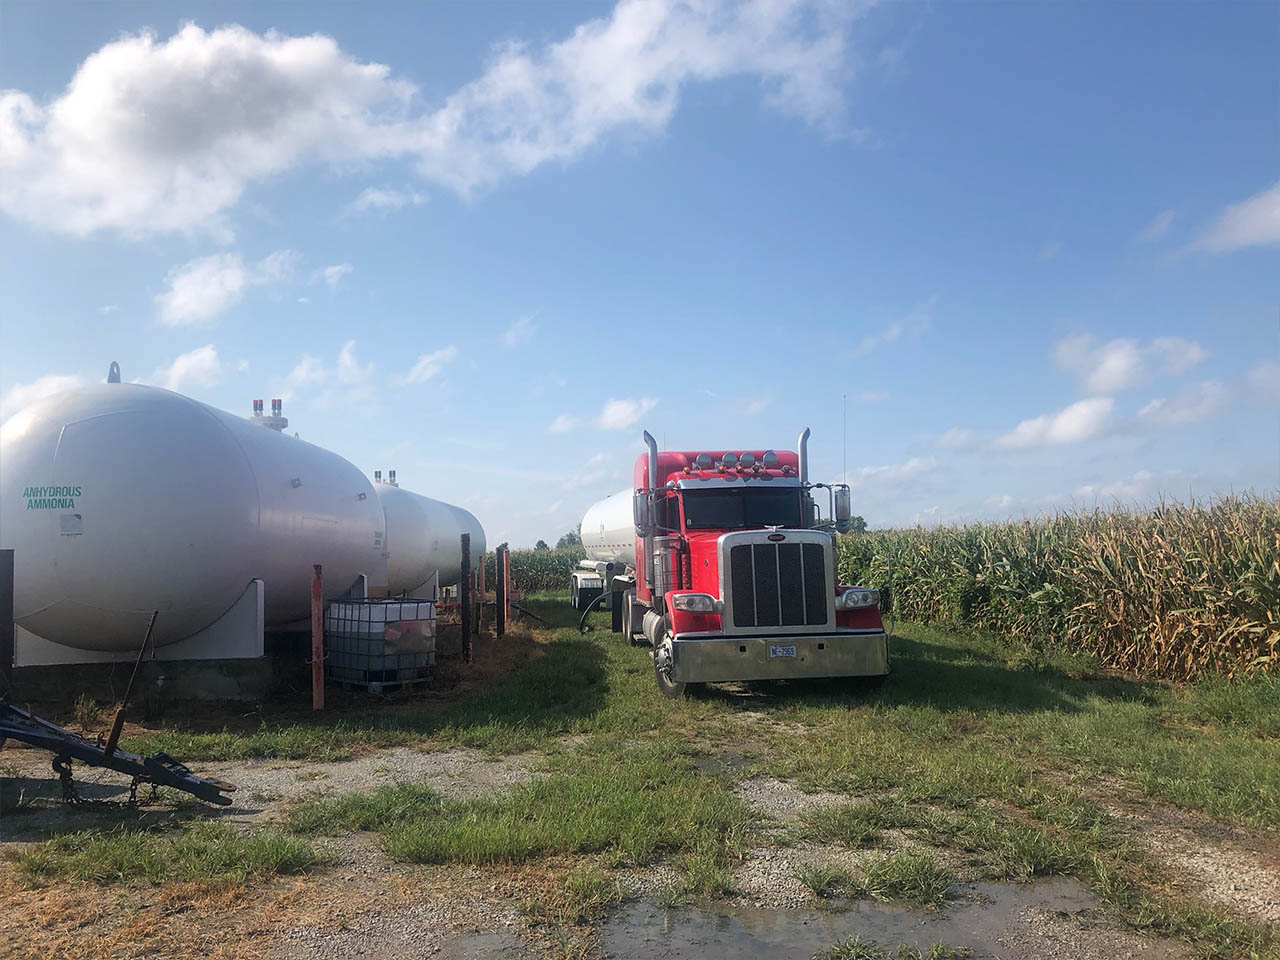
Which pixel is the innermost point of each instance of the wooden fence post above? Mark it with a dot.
(506, 586)
(317, 639)
(499, 587)
(480, 595)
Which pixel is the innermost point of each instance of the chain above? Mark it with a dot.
(62, 767)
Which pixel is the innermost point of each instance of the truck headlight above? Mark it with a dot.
(696, 603)
(857, 598)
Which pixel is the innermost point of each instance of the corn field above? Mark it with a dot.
(1175, 592)
(533, 570)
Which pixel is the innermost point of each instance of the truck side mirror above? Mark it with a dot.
(642, 513)
(844, 509)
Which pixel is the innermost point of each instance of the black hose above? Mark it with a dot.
(582, 624)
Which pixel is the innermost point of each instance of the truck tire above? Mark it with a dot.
(627, 626)
(669, 688)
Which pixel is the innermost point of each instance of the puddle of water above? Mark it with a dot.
(743, 933)
(483, 946)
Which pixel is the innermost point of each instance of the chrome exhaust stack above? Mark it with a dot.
(803, 446)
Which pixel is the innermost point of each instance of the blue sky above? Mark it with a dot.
(1035, 248)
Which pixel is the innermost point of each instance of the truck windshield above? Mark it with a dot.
(742, 509)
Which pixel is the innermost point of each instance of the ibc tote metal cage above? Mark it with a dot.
(380, 643)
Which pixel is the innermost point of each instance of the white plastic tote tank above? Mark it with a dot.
(608, 530)
(120, 499)
(423, 536)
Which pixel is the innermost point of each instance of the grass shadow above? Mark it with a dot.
(559, 687)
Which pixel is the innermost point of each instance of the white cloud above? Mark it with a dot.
(108, 308)
(205, 287)
(155, 136)
(202, 288)
(563, 424)
(1254, 222)
(196, 368)
(956, 437)
(1080, 421)
(309, 372)
(276, 267)
(1157, 228)
(1049, 251)
(520, 332)
(429, 365)
(1202, 401)
(350, 370)
(333, 275)
(24, 394)
(891, 473)
(1132, 488)
(1123, 363)
(383, 200)
(914, 324)
(1177, 355)
(620, 414)
(757, 406)
(873, 396)
(1001, 502)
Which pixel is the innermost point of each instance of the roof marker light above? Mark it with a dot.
(770, 459)
(729, 460)
(747, 459)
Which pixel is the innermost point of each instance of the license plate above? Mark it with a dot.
(784, 651)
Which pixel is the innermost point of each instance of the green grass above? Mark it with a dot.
(857, 948)
(977, 747)
(204, 853)
(904, 877)
(364, 810)
(824, 881)
(635, 803)
(586, 894)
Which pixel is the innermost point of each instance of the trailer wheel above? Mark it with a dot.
(628, 624)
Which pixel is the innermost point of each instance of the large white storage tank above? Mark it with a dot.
(608, 530)
(120, 499)
(425, 536)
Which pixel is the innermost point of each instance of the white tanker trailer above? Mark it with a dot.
(608, 535)
(120, 499)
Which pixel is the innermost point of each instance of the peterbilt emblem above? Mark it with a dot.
(775, 537)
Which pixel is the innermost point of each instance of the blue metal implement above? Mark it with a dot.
(161, 770)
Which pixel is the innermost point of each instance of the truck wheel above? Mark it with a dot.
(662, 669)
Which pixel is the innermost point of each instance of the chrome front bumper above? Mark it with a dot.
(707, 659)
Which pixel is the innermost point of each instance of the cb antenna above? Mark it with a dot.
(844, 437)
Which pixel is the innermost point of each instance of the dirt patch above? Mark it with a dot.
(780, 800)
(265, 787)
(1230, 866)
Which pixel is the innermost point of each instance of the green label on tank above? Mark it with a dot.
(377, 538)
(51, 498)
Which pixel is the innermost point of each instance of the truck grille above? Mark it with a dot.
(779, 585)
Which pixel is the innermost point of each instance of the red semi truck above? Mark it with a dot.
(725, 563)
